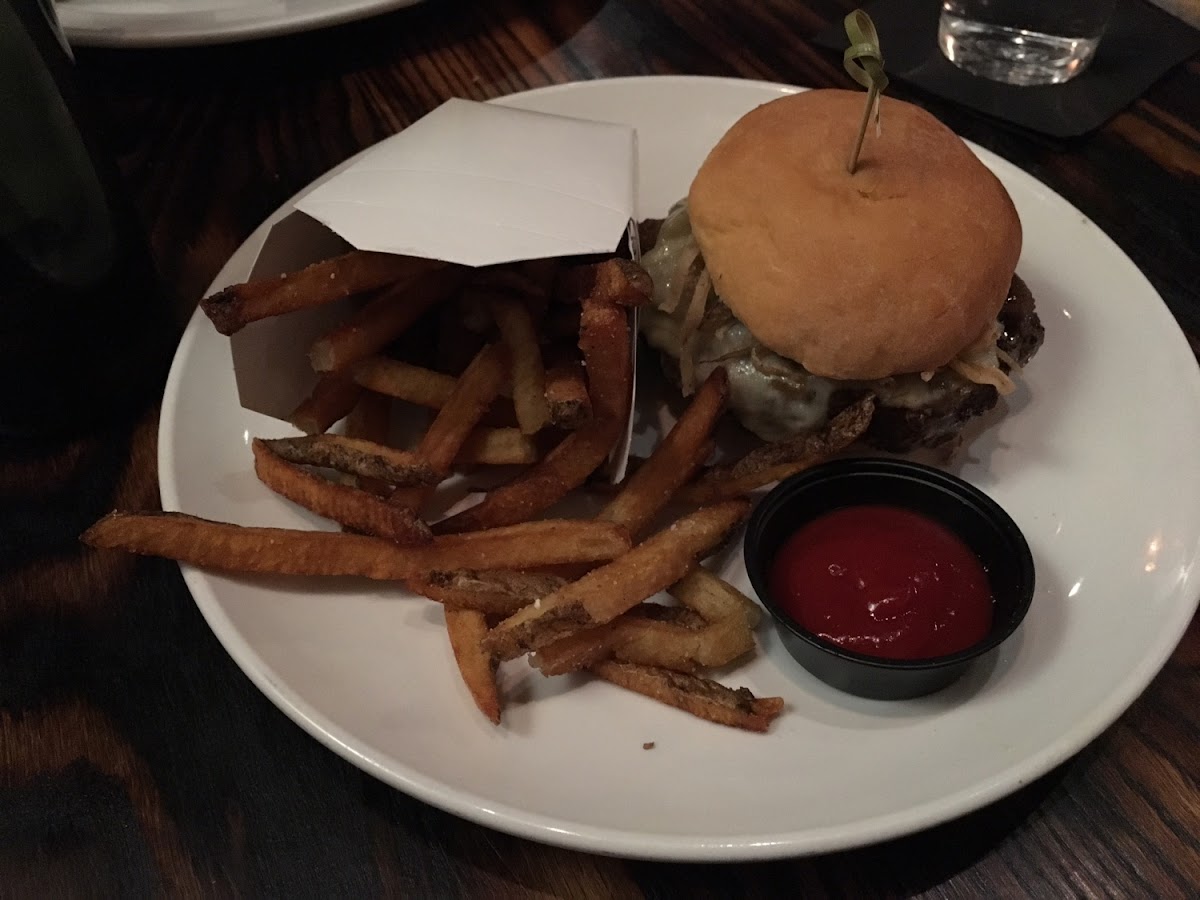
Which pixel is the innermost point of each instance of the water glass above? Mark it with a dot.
(1023, 42)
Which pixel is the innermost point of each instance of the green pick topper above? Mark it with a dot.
(864, 61)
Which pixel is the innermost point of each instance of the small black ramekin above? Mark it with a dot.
(977, 519)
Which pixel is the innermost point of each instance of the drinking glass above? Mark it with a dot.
(1023, 42)
(84, 326)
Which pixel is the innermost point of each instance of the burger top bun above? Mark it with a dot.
(894, 269)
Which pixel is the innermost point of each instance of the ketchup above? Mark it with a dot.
(883, 581)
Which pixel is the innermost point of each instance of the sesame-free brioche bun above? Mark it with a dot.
(894, 269)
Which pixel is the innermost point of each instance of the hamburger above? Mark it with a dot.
(812, 286)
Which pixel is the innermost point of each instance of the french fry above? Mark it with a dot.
(642, 635)
(674, 461)
(467, 628)
(528, 372)
(604, 593)
(604, 339)
(617, 280)
(773, 462)
(331, 400)
(383, 319)
(349, 506)
(473, 393)
(577, 651)
(496, 593)
(404, 381)
(497, 447)
(567, 397)
(701, 697)
(355, 272)
(714, 598)
(670, 646)
(421, 386)
(282, 551)
(371, 420)
(649, 637)
(355, 456)
(674, 615)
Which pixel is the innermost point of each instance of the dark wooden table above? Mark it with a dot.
(136, 759)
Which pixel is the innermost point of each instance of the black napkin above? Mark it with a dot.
(1141, 43)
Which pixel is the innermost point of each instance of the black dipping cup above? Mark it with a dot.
(977, 519)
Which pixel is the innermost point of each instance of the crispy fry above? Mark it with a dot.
(674, 461)
(604, 593)
(682, 649)
(604, 342)
(421, 386)
(324, 282)
(404, 381)
(528, 372)
(282, 551)
(577, 651)
(496, 593)
(346, 505)
(773, 462)
(331, 399)
(383, 319)
(567, 396)
(467, 628)
(673, 615)
(701, 697)
(604, 339)
(355, 456)
(371, 420)
(617, 281)
(497, 447)
(645, 636)
(714, 598)
(473, 393)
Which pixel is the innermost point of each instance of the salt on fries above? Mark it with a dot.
(575, 595)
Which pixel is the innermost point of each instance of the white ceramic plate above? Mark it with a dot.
(1095, 460)
(177, 23)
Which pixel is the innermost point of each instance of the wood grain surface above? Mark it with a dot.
(137, 760)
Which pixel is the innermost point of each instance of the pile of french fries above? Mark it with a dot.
(533, 370)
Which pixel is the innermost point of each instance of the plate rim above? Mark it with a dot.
(173, 30)
(652, 846)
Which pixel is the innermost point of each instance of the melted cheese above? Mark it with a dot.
(772, 396)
